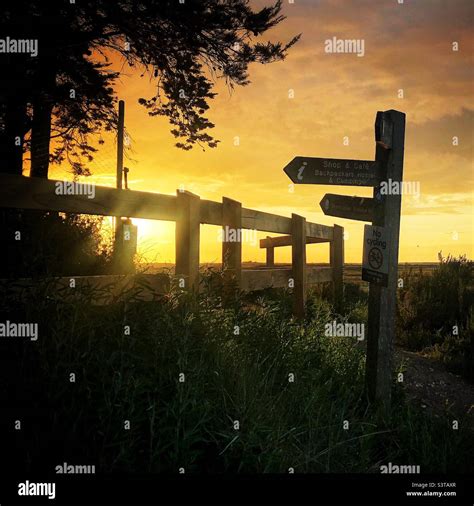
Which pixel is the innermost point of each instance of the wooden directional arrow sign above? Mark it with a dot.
(381, 238)
(353, 208)
(305, 170)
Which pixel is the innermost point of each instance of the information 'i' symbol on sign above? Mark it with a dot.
(375, 258)
(379, 266)
(301, 170)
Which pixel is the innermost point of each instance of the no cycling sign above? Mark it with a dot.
(380, 238)
(375, 255)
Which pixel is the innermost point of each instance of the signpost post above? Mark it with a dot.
(381, 239)
(390, 139)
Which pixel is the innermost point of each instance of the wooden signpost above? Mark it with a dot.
(390, 142)
(381, 239)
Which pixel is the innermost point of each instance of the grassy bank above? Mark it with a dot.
(238, 364)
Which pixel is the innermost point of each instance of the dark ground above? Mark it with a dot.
(436, 389)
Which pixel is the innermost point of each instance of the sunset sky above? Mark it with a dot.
(408, 47)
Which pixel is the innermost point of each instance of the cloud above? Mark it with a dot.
(407, 46)
(435, 136)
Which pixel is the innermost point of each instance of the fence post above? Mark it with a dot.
(298, 263)
(336, 255)
(232, 242)
(270, 255)
(187, 238)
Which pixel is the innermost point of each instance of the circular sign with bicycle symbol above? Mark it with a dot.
(375, 255)
(375, 258)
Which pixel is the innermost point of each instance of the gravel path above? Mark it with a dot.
(439, 391)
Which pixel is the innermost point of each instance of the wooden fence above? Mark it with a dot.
(189, 211)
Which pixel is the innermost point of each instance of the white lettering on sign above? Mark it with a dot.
(300, 171)
(348, 164)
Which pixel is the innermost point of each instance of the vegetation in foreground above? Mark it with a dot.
(54, 244)
(237, 360)
(435, 314)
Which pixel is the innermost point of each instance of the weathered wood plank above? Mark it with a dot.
(265, 222)
(107, 289)
(285, 240)
(319, 231)
(260, 279)
(316, 275)
(38, 193)
(210, 212)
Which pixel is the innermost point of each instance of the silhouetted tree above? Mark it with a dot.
(66, 92)
(80, 103)
(183, 47)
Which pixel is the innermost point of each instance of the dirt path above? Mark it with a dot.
(439, 391)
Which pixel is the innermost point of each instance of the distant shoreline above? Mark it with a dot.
(351, 270)
(262, 264)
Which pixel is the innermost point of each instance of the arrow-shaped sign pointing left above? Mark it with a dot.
(353, 208)
(332, 171)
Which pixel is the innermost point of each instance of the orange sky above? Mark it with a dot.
(407, 46)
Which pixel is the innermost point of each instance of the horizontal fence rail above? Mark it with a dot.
(189, 211)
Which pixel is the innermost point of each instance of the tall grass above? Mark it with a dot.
(54, 243)
(237, 359)
(435, 314)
